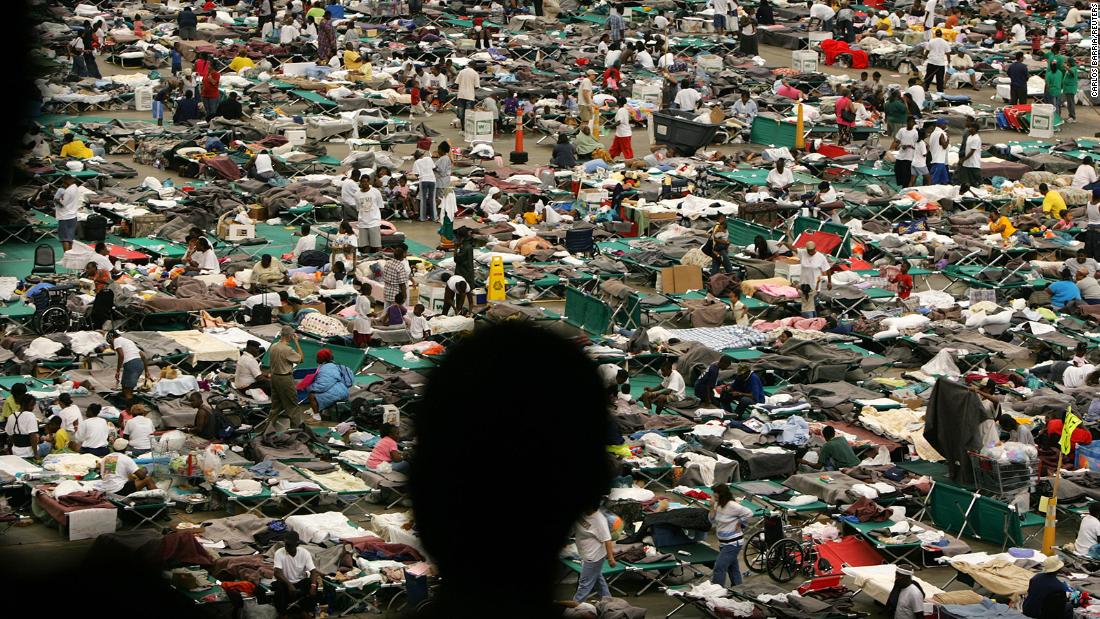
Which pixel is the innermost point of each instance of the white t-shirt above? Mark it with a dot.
(296, 567)
(1019, 33)
(907, 143)
(590, 534)
(22, 422)
(920, 155)
(207, 261)
(937, 51)
(349, 191)
(687, 99)
(910, 603)
(139, 430)
(1088, 535)
(645, 59)
(666, 60)
(370, 208)
(675, 383)
(72, 198)
(1073, 17)
(288, 33)
(70, 417)
(127, 348)
(248, 368)
(609, 372)
(937, 152)
(124, 467)
(974, 146)
(778, 179)
(622, 123)
(660, 22)
(611, 58)
(306, 243)
(424, 169)
(92, 433)
(721, 7)
(468, 81)
(917, 92)
(263, 164)
(455, 280)
(583, 87)
(811, 267)
(823, 12)
(1075, 376)
(418, 325)
(1084, 175)
(830, 195)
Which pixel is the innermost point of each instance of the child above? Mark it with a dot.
(307, 242)
(395, 313)
(364, 311)
(56, 438)
(177, 59)
(530, 217)
(416, 103)
(904, 281)
(1066, 222)
(418, 324)
(344, 244)
(1079, 355)
(403, 195)
(809, 301)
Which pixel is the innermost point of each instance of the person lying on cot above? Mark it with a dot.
(671, 389)
(386, 451)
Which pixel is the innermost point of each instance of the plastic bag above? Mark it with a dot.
(210, 464)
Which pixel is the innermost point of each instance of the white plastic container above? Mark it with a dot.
(479, 126)
(1042, 121)
(143, 98)
(804, 60)
(296, 137)
(710, 63)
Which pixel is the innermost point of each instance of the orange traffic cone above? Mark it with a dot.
(518, 156)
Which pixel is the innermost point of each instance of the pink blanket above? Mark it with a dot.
(791, 322)
(774, 290)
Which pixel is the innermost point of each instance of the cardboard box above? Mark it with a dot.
(431, 297)
(682, 278)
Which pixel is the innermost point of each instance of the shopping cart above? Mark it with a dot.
(1002, 480)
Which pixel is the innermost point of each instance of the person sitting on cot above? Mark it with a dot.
(672, 389)
(386, 451)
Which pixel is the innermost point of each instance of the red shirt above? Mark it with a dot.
(1080, 435)
(905, 285)
(210, 84)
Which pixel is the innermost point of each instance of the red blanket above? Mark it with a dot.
(76, 501)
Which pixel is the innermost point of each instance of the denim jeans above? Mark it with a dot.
(720, 259)
(1056, 101)
(400, 467)
(591, 579)
(727, 563)
(427, 201)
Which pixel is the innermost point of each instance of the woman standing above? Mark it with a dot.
(896, 113)
(845, 117)
(748, 36)
(326, 39)
(729, 518)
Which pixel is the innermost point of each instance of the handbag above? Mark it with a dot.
(847, 115)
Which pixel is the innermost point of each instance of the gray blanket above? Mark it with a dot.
(235, 530)
(765, 465)
(837, 491)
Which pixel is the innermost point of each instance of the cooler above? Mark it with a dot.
(1042, 121)
(804, 60)
(479, 126)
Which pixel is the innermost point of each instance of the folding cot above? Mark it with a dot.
(144, 513)
(394, 358)
(846, 304)
(1003, 580)
(963, 512)
(809, 224)
(317, 165)
(753, 491)
(550, 286)
(315, 101)
(17, 315)
(683, 556)
(724, 185)
(610, 574)
(53, 179)
(296, 501)
(996, 278)
(383, 482)
(895, 553)
(972, 360)
(756, 509)
(365, 599)
(586, 312)
(353, 358)
(348, 497)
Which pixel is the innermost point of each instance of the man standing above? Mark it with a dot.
(937, 154)
(622, 144)
(369, 205)
(939, 53)
(468, 83)
(905, 143)
(424, 169)
(284, 399)
(266, 14)
(210, 92)
(395, 275)
(812, 266)
(188, 24)
(909, 603)
(349, 195)
(69, 201)
(296, 576)
(585, 103)
(970, 159)
(131, 364)
(22, 428)
(721, 11)
(593, 538)
(616, 24)
(1017, 73)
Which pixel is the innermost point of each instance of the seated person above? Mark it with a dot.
(260, 167)
(205, 424)
(746, 389)
(1088, 534)
(202, 259)
(1063, 292)
(708, 381)
(267, 274)
(295, 574)
(1046, 593)
(1079, 436)
(75, 148)
(394, 315)
(672, 389)
(139, 431)
(781, 178)
(337, 277)
(584, 145)
(1015, 432)
(835, 454)
(54, 439)
(121, 475)
(248, 374)
(386, 451)
(330, 382)
(418, 323)
(564, 156)
(92, 433)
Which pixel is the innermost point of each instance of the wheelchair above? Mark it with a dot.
(52, 314)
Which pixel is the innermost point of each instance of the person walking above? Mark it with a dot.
(939, 53)
(210, 91)
(622, 144)
(1069, 89)
(424, 169)
(593, 538)
(284, 398)
(729, 518)
(369, 204)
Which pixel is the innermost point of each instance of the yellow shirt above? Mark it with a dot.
(9, 407)
(884, 23)
(77, 150)
(1004, 224)
(60, 440)
(531, 218)
(352, 60)
(1054, 204)
(241, 62)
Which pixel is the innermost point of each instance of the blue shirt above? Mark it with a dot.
(1039, 589)
(1017, 72)
(1062, 292)
(704, 385)
(752, 385)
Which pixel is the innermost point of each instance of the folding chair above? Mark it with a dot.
(580, 241)
(44, 260)
(301, 215)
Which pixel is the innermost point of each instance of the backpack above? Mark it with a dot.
(261, 315)
(313, 258)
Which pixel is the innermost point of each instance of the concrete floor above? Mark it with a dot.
(38, 549)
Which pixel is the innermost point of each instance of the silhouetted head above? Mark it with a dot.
(479, 390)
